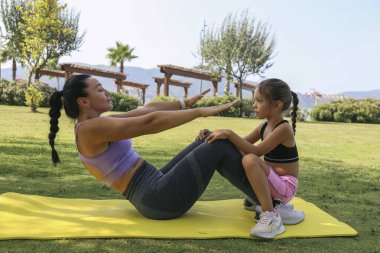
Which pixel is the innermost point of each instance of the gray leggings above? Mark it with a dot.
(171, 191)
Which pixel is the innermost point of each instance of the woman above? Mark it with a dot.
(104, 147)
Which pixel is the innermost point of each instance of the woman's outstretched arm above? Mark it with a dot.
(160, 106)
(107, 129)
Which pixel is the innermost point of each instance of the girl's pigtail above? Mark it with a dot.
(294, 111)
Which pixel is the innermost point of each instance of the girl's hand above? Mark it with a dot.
(218, 134)
(191, 101)
(213, 110)
(201, 135)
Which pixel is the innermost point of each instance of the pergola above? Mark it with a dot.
(160, 80)
(245, 86)
(70, 69)
(140, 86)
(170, 70)
(50, 72)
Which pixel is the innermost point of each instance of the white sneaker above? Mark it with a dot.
(250, 205)
(289, 216)
(268, 226)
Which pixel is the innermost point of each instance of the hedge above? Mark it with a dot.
(13, 92)
(348, 110)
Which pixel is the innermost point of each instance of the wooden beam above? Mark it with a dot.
(135, 85)
(192, 73)
(215, 84)
(143, 96)
(166, 84)
(74, 68)
(245, 86)
(140, 86)
(158, 89)
(161, 80)
(51, 72)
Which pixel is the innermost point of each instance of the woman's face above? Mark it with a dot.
(99, 98)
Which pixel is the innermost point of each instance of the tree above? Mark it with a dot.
(11, 17)
(33, 98)
(239, 47)
(50, 31)
(120, 54)
(53, 64)
(9, 53)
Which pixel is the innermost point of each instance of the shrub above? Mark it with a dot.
(123, 103)
(46, 91)
(232, 112)
(349, 110)
(302, 114)
(163, 98)
(247, 108)
(33, 98)
(212, 101)
(12, 93)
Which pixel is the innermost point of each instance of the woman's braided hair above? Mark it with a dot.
(74, 88)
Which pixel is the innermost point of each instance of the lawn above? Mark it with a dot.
(340, 173)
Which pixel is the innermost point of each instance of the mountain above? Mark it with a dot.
(362, 94)
(141, 75)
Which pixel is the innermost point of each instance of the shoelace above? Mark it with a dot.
(284, 206)
(265, 220)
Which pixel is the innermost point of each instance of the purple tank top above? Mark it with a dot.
(113, 162)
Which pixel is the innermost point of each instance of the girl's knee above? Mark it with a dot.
(250, 161)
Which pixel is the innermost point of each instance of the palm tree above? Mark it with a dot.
(120, 54)
(8, 53)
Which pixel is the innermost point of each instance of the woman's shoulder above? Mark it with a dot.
(96, 121)
(98, 124)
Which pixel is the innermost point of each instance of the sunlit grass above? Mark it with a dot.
(340, 172)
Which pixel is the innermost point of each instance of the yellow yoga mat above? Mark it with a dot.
(37, 217)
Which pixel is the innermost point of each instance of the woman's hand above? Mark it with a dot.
(214, 110)
(218, 134)
(191, 101)
(202, 134)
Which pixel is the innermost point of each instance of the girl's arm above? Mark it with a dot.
(254, 136)
(280, 134)
(160, 106)
(102, 130)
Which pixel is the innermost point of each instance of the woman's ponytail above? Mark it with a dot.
(294, 111)
(54, 113)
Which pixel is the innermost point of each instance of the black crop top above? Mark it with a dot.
(281, 153)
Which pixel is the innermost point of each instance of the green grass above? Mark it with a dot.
(340, 173)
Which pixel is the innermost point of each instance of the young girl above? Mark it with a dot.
(276, 176)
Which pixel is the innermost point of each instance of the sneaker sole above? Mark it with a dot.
(270, 235)
(285, 222)
(292, 222)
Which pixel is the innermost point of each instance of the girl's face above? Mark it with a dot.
(263, 107)
(98, 98)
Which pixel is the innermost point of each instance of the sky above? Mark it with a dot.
(327, 45)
